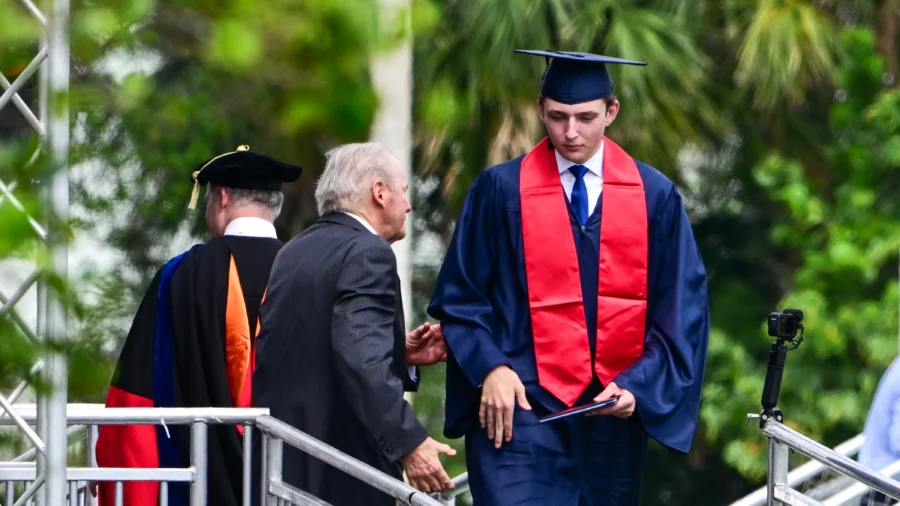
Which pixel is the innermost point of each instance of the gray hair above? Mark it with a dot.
(349, 173)
(270, 200)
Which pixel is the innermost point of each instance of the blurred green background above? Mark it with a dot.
(779, 120)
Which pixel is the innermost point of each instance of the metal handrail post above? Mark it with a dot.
(778, 470)
(801, 474)
(248, 460)
(93, 436)
(263, 468)
(274, 455)
(200, 462)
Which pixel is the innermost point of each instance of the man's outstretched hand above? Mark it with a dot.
(424, 469)
(425, 345)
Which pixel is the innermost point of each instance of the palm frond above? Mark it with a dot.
(788, 47)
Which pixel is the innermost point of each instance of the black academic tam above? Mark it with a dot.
(243, 169)
(575, 77)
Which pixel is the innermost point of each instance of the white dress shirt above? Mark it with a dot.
(251, 227)
(362, 220)
(593, 178)
(410, 369)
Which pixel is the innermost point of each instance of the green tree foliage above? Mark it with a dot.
(842, 224)
(156, 89)
(288, 79)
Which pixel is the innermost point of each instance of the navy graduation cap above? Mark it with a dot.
(243, 169)
(574, 78)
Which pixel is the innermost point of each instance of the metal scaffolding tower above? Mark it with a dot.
(51, 68)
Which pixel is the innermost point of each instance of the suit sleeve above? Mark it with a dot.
(667, 379)
(460, 300)
(363, 343)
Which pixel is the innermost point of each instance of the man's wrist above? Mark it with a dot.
(422, 437)
(492, 371)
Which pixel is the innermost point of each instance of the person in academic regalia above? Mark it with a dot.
(572, 276)
(334, 356)
(192, 342)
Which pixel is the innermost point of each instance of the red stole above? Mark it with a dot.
(554, 287)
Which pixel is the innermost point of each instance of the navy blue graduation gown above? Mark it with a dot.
(481, 301)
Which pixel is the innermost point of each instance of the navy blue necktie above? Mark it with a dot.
(579, 193)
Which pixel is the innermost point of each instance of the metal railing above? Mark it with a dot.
(804, 473)
(23, 480)
(780, 492)
(276, 433)
(23, 475)
(460, 487)
(850, 494)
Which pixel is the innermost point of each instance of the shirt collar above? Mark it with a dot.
(361, 220)
(250, 226)
(595, 164)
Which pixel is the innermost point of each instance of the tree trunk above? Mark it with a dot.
(392, 80)
(887, 36)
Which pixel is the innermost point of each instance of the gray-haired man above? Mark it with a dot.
(333, 354)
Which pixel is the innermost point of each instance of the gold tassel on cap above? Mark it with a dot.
(195, 194)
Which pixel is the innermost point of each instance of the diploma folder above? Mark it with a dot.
(578, 410)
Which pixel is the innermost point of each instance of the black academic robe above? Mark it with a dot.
(179, 354)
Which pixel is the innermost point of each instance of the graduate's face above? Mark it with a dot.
(577, 130)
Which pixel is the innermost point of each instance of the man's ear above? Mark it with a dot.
(611, 112)
(540, 104)
(378, 190)
(222, 196)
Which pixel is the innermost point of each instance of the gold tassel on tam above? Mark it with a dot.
(195, 194)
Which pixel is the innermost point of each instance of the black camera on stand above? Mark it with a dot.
(786, 328)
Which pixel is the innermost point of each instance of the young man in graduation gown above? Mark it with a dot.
(572, 277)
(192, 341)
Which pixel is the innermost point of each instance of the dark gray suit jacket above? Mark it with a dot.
(331, 356)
